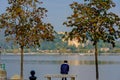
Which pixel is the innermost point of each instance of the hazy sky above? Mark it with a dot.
(58, 11)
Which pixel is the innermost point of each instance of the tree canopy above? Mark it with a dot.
(23, 23)
(94, 21)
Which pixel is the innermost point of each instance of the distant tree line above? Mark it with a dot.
(58, 44)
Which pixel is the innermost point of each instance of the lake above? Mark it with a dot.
(82, 66)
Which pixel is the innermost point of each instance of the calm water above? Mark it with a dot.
(82, 66)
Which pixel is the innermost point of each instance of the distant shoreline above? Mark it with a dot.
(81, 54)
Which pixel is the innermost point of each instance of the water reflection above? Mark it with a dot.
(91, 62)
(71, 62)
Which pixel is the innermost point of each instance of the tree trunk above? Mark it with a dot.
(21, 73)
(96, 61)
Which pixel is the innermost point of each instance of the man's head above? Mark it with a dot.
(65, 61)
(32, 72)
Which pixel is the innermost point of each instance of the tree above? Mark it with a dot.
(93, 21)
(23, 23)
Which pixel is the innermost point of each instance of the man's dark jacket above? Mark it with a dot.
(64, 68)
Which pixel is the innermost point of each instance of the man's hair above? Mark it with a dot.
(65, 61)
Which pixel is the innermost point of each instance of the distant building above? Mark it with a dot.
(104, 49)
(73, 42)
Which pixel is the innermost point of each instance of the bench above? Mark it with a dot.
(49, 76)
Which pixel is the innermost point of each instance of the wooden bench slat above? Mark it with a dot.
(49, 76)
(59, 75)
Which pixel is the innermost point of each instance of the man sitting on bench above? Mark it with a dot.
(64, 69)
